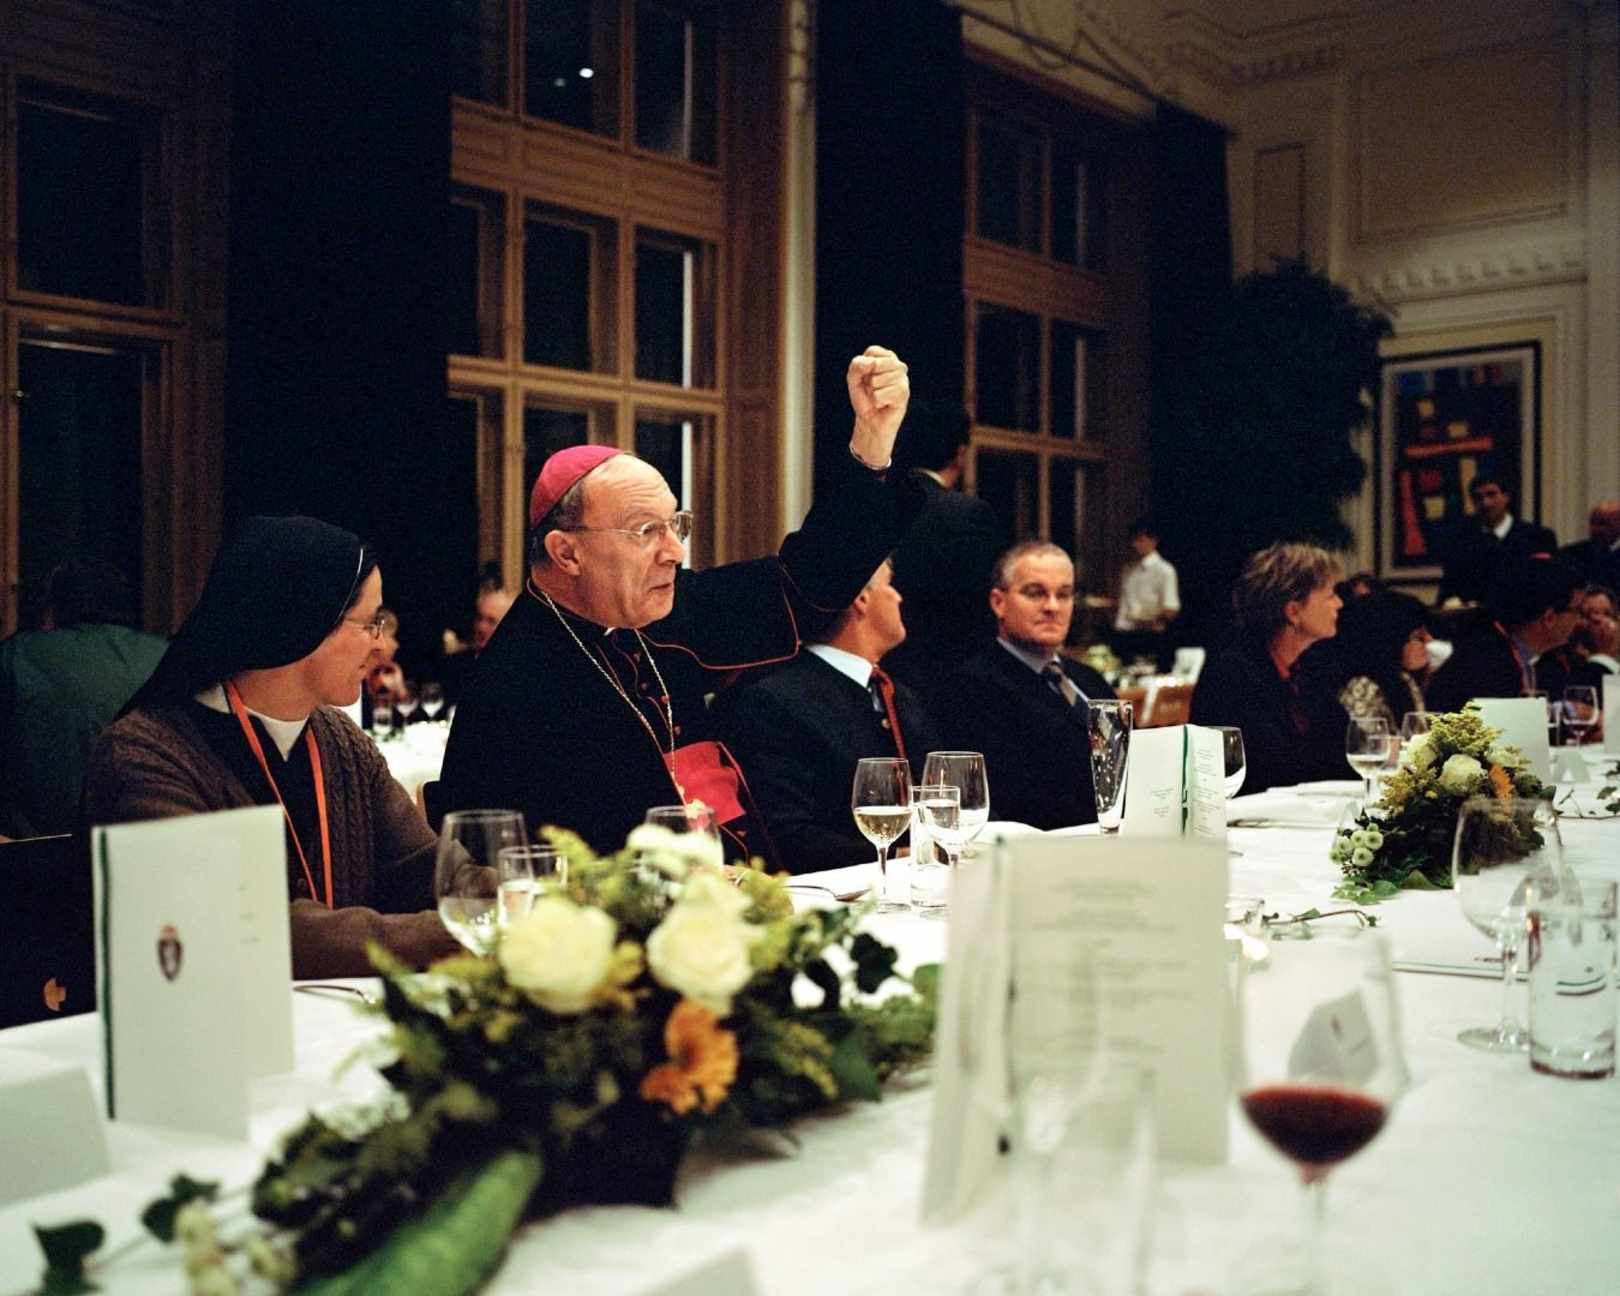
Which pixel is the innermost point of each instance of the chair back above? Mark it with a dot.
(47, 930)
(431, 803)
(1188, 664)
(1168, 704)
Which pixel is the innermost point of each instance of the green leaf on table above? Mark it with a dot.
(66, 1248)
(853, 1070)
(874, 962)
(158, 1217)
(1416, 880)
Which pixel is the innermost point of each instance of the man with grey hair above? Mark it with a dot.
(587, 707)
(1024, 703)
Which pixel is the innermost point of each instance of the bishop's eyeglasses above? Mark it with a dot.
(648, 534)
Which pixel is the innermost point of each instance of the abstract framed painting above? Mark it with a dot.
(1445, 417)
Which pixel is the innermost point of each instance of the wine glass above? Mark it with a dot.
(963, 770)
(466, 880)
(1367, 747)
(880, 799)
(1235, 759)
(523, 875)
(432, 699)
(1321, 1066)
(939, 806)
(1414, 723)
(1499, 846)
(382, 715)
(1580, 711)
(695, 821)
(405, 701)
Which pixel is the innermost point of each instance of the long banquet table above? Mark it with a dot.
(1488, 1178)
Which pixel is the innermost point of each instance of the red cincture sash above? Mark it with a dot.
(240, 712)
(701, 772)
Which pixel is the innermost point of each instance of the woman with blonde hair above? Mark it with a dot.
(1293, 730)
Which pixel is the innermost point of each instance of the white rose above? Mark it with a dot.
(1508, 757)
(560, 953)
(715, 889)
(1461, 774)
(1419, 753)
(673, 853)
(701, 949)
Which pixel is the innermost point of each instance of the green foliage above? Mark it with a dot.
(67, 1247)
(158, 1217)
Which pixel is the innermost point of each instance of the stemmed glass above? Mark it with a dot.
(963, 770)
(432, 698)
(405, 701)
(1321, 1066)
(1367, 747)
(1499, 846)
(1414, 723)
(694, 820)
(466, 880)
(1235, 762)
(1580, 711)
(880, 799)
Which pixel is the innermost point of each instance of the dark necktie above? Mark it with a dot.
(1060, 683)
(882, 688)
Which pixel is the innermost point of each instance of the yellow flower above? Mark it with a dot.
(702, 1065)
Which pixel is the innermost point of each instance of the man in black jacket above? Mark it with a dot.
(1596, 560)
(1489, 541)
(799, 729)
(1023, 704)
(942, 567)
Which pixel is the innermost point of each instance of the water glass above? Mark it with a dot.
(432, 696)
(1570, 939)
(1580, 711)
(1367, 747)
(1110, 724)
(523, 875)
(963, 770)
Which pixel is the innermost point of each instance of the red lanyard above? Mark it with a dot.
(240, 712)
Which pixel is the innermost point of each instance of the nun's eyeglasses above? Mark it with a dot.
(373, 627)
(648, 534)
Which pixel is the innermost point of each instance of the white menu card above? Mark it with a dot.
(1176, 783)
(193, 965)
(1523, 722)
(1140, 919)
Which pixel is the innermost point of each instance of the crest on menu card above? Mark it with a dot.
(169, 951)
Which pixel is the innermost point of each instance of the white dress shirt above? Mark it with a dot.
(1147, 591)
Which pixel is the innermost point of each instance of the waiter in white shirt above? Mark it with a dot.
(1148, 598)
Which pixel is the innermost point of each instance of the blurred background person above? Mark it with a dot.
(490, 607)
(1489, 541)
(60, 686)
(1380, 655)
(1592, 652)
(1149, 599)
(1293, 725)
(1596, 559)
(1534, 609)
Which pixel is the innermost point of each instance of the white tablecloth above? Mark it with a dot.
(1488, 1178)
(416, 754)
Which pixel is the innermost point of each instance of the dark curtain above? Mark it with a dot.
(1190, 286)
(340, 164)
(889, 202)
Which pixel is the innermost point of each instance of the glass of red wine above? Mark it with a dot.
(1321, 1066)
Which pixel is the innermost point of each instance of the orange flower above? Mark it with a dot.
(1501, 784)
(702, 1065)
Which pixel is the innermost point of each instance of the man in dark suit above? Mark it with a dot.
(1596, 560)
(1485, 543)
(1536, 608)
(942, 567)
(797, 730)
(1022, 704)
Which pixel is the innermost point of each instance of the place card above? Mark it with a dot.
(729, 1274)
(193, 966)
(48, 1124)
(1176, 783)
(1135, 922)
(1523, 722)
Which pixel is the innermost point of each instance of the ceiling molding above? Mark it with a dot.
(1415, 278)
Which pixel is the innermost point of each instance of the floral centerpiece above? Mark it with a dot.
(645, 1000)
(1403, 839)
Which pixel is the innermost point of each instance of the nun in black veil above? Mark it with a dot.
(241, 711)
